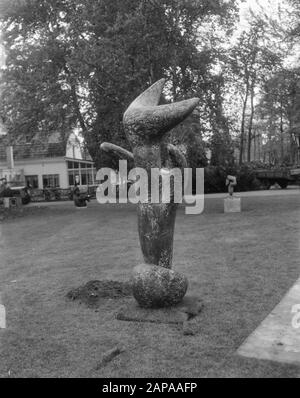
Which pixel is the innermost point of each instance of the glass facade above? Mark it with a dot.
(85, 171)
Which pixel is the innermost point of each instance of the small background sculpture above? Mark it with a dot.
(146, 124)
(231, 183)
(232, 204)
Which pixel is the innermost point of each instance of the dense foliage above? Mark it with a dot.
(75, 64)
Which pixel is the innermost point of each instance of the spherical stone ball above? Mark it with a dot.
(158, 287)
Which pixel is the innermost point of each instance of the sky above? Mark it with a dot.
(272, 8)
(278, 10)
(268, 6)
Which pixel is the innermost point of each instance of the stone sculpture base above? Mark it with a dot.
(232, 205)
(157, 287)
(183, 314)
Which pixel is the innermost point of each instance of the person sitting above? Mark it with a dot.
(80, 198)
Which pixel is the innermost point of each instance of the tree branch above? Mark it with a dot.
(75, 100)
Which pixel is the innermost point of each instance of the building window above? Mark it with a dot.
(51, 181)
(83, 178)
(90, 177)
(71, 178)
(32, 181)
(85, 171)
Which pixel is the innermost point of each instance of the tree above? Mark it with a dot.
(279, 109)
(79, 64)
(188, 138)
(251, 62)
(221, 144)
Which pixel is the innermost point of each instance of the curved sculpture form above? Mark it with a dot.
(231, 183)
(146, 123)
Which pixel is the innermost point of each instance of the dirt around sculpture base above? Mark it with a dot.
(94, 292)
(157, 287)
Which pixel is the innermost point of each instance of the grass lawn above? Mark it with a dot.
(240, 264)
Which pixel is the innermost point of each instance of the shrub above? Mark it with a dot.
(215, 177)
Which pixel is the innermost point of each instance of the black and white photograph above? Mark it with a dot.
(149, 192)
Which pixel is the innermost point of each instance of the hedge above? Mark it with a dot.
(215, 177)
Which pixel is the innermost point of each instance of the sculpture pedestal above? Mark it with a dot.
(6, 203)
(184, 314)
(232, 205)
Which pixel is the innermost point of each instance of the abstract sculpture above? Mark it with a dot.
(146, 123)
(231, 183)
(232, 204)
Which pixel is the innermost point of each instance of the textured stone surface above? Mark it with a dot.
(232, 205)
(156, 287)
(145, 120)
(132, 312)
(156, 229)
(145, 124)
(184, 314)
(277, 338)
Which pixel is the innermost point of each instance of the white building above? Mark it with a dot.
(46, 161)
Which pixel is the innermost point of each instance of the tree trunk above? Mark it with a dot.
(281, 133)
(254, 147)
(292, 156)
(151, 70)
(250, 121)
(243, 125)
